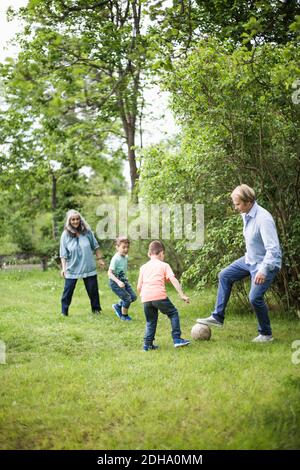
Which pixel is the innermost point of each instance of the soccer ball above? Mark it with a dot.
(200, 331)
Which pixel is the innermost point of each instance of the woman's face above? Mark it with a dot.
(75, 221)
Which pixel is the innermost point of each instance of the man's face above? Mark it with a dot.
(241, 206)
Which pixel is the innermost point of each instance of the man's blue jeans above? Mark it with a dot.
(151, 313)
(126, 295)
(91, 286)
(235, 272)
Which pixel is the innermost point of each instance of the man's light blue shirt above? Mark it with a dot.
(262, 244)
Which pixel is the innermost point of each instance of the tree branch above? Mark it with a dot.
(77, 8)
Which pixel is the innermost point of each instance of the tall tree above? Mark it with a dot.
(240, 122)
(48, 140)
(102, 38)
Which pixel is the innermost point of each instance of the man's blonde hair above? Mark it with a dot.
(244, 192)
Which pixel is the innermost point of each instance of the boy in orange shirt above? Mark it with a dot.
(151, 287)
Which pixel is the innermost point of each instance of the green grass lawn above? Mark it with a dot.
(83, 382)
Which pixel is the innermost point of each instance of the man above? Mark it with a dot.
(262, 262)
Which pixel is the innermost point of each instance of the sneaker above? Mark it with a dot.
(263, 339)
(150, 347)
(178, 343)
(118, 310)
(126, 317)
(65, 314)
(210, 321)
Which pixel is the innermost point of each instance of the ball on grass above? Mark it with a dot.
(201, 332)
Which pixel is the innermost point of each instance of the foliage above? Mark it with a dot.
(177, 28)
(93, 54)
(239, 125)
(48, 142)
(76, 89)
(253, 22)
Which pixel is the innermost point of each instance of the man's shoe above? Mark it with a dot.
(126, 317)
(263, 339)
(210, 321)
(118, 310)
(178, 343)
(65, 314)
(150, 347)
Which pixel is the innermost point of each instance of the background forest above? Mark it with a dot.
(73, 108)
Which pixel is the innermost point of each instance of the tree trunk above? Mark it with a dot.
(44, 262)
(129, 120)
(130, 138)
(54, 206)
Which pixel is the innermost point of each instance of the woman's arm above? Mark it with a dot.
(100, 258)
(63, 267)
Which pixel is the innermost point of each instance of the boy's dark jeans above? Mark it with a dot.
(151, 313)
(126, 295)
(91, 285)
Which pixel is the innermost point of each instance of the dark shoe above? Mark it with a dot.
(126, 317)
(150, 347)
(64, 314)
(178, 343)
(118, 310)
(96, 312)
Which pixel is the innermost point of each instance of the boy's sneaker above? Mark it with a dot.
(210, 321)
(65, 314)
(150, 347)
(178, 343)
(126, 317)
(118, 310)
(263, 339)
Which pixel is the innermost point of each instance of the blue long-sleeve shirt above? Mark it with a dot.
(262, 244)
(78, 251)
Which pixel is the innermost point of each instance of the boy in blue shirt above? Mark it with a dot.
(118, 281)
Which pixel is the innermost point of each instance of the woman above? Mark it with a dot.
(77, 247)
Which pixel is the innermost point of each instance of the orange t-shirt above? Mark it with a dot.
(152, 278)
